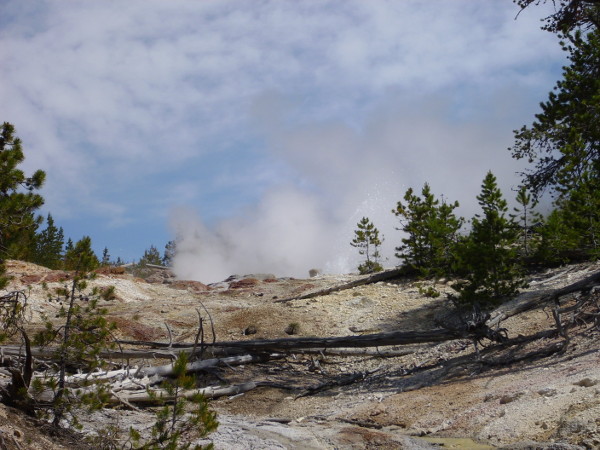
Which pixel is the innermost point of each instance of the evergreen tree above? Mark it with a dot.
(568, 14)
(80, 339)
(558, 239)
(81, 255)
(487, 257)
(581, 211)
(105, 257)
(431, 232)
(18, 200)
(68, 249)
(366, 239)
(151, 256)
(564, 140)
(184, 415)
(572, 230)
(525, 217)
(49, 245)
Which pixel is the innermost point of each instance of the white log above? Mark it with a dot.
(142, 397)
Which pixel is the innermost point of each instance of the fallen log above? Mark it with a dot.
(198, 366)
(374, 278)
(393, 338)
(161, 396)
(365, 340)
(222, 350)
(532, 300)
(167, 369)
(50, 352)
(371, 352)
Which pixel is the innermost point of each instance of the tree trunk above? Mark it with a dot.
(374, 278)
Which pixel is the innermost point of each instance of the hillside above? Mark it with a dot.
(507, 397)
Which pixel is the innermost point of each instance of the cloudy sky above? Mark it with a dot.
(260, 132)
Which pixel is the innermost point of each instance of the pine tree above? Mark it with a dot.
(49, 245)
(151, 256)
(80, 255)
(572, 230)
(105, 257)
(487, 257)
(564, 140)
(581, 211)
(558, 240)
(80, 339)
(18, 201)
(184, 415)
(568, 14)
(366, 239)
(431, 232)
(525, 217)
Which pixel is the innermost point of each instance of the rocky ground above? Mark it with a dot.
(434, 395)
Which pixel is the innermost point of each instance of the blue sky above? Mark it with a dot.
(260, 132)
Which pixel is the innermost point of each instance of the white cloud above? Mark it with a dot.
(118, 94)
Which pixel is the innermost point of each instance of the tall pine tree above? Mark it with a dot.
(366, 239)
(564, 144)
(151, 256)
(488, 256)
(525, 217)
(564, 140)
(49, 245)
(18, 200)
(431, 232)
(80, 256)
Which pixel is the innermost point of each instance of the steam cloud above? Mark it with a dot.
(340, 174)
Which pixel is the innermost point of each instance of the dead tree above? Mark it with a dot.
(374, 278)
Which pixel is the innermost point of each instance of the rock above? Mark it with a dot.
(547, 392)
(379, 409)
(586, 382)
(30, 279)
(191, 286)
(110, 270)
(57, 276)
(260, 276)
(508, 398)
(244, 283)
(360, 302)
(292, 328)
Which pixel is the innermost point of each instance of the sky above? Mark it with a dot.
(258, 133)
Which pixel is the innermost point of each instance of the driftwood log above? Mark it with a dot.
(166, 370)
(374, 278)
(161, 396)
(532, 300)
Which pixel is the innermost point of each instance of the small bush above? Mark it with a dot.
(292, 328)
(429, 291)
